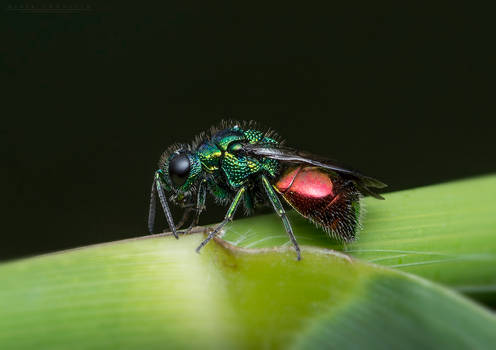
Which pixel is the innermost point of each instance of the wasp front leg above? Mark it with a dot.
(157, 188)
(186, 215)
(198, 208)
(229, 216)
(276, 203)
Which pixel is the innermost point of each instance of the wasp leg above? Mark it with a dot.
(227, 218)
(192, 224)
(184, 218)
(276, 203)
(165, 206)
(199, 207)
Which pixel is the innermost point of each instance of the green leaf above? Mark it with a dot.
(158, 293)
(446, 233)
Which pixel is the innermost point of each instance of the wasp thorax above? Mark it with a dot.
(179, 169)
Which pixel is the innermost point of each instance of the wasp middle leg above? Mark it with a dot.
(229, 216)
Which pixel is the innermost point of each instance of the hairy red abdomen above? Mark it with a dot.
(327, 200)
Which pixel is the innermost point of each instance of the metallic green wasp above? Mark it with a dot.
(240, 163)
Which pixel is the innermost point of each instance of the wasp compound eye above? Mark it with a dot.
(179, 167)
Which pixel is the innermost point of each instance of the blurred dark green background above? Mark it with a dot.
(92, 99)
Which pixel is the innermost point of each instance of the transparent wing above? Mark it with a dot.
(290, 155)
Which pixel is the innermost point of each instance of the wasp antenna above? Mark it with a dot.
(152, 210)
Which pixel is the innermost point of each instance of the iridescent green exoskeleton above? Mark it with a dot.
(239, 163)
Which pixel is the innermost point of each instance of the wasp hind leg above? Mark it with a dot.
(229, 216)
(276, 203)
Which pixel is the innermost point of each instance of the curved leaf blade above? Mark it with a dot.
(157, 292)
(446, 233)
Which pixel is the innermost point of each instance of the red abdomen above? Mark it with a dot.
(326, 199)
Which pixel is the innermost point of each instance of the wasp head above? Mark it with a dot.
(179, 168)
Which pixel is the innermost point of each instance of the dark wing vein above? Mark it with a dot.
(286, 154)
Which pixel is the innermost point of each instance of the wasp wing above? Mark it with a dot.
(286, 154)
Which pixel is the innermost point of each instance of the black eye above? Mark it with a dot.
(179, 168)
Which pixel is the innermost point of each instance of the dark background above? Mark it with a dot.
(92, 98)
